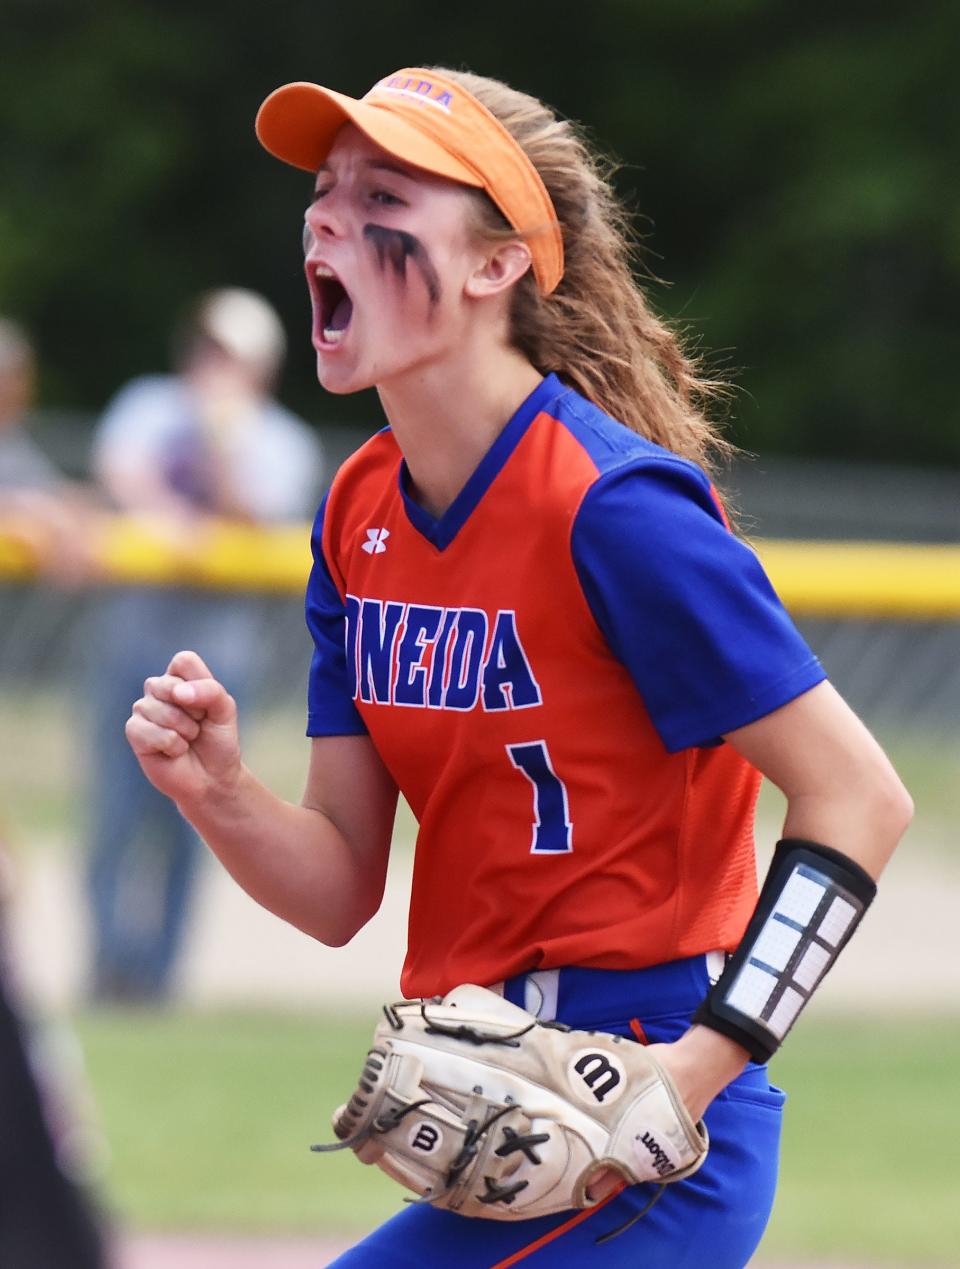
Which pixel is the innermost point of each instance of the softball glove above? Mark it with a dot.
(478, 1107)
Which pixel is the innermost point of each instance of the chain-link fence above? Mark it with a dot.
(896, 674)
(899, 674)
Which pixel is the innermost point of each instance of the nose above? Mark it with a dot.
(323, 219)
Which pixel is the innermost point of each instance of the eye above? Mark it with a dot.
(386, 199)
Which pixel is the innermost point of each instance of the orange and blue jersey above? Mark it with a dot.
(547, 671)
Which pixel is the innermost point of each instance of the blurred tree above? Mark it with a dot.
(793, 165)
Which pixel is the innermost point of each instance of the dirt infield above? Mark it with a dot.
(283, 1253)
(238, 954)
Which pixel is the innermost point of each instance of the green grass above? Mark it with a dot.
(869, 1155)
(209, 1118)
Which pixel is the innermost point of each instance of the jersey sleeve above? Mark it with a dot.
(684, 604)
(330, 707)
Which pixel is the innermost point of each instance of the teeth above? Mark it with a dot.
(333, 336)
(323, 271)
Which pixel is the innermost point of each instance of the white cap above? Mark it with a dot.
(244, 325)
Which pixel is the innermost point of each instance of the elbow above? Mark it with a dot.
(898, 806)
(890, 805)
(339, 935)
(334, 939)
(341, 928)
(863, 812)
(889, 810)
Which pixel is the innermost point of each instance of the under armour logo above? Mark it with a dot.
(376, 541)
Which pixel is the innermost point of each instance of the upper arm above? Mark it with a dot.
(348, 782)
(840, 787)
(684, 604)
(347, 779)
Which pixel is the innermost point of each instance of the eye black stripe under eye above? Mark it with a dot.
(394, 247)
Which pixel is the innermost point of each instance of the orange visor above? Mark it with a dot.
(432, 123)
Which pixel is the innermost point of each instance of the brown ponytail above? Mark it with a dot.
(596, 330)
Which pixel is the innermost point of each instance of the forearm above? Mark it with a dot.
(860, 810)
(293, 860)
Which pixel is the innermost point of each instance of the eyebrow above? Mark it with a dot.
(383, 165)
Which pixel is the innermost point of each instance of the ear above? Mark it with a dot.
(502, 266)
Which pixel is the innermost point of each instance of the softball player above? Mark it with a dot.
(530, 617)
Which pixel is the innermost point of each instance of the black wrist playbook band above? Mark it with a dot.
(811, 902)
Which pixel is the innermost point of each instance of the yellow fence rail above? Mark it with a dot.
(836, 579)
(905, 580)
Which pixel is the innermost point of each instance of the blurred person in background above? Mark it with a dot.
(181, 450)
(23, 465)
(46, 1220)
(50, 516)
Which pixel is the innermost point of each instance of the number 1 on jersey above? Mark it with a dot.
(552, 830)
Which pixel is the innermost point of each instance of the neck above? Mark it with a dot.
(445, 416)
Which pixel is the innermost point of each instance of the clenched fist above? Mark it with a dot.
(184, 733)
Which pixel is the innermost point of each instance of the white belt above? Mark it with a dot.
(540, 987)
(539, 993)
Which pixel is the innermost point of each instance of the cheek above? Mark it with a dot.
(407, 262)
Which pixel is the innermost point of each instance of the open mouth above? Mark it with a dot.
(334, 305)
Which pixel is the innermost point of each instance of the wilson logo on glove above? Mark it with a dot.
(425, 1137)
(498, 1130)
(604, 1076)
(661, 1160)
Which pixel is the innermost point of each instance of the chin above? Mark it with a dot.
(339, 381)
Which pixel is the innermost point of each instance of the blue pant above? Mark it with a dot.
(714, 1218)
(142, 864)
(144, 856)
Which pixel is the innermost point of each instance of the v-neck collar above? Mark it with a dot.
(441, 531)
